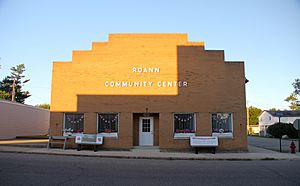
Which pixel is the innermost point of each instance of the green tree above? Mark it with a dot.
(253, 115)
(4, 95)
(274, 109)
(45, 106)
(16, 78)
(6, 88)
(293, 99)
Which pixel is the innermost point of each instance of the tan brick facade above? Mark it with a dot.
(213, 86)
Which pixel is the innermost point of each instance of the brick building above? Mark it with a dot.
(150, 90)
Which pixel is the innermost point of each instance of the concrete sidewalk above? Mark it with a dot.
(25, 142)
(255, 153)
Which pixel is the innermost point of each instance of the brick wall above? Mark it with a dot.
(214, 85)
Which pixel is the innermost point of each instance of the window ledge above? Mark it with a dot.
(71, 134)
(223, 135)
(183, 135)
(109, 135)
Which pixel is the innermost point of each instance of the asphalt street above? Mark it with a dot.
(33, 169)
(272, 143)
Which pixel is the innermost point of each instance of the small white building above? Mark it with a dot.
(253, 130)
(268, 118)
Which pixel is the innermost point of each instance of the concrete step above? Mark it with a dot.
(145, 149)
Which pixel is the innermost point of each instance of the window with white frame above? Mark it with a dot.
(74, 123)
(108, 122)
(184, 124)
(222, 123)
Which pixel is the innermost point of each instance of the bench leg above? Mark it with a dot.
(95, 148)
(78, 147)
(214, 150)
(65, 144)
(49, 143)
(196, 150)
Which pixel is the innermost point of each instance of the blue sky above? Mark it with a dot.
(264, 34)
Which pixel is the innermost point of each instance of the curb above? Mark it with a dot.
(147, 157)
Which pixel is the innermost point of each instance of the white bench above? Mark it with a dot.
(204, 141)
(88, 139)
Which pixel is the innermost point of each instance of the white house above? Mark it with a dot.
(268, 118)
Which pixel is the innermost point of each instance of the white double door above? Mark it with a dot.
(146, 131)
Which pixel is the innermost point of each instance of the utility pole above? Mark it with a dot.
(13, 90)
(248, 118)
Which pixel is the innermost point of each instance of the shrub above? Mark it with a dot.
(279, 129)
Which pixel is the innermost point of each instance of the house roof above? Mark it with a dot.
(286, 113)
